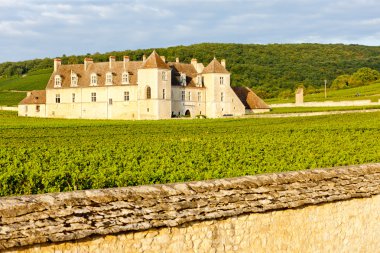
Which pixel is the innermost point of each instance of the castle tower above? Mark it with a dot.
(217, 83)
(154, 89)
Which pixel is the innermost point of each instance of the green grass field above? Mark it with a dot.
(11, 98)
(369, 92)
(52, 155)
(33, 81)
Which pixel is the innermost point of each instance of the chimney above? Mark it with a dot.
(163, 58)
(111, 61)
(87, 61)
(177, 60)
(125, 60)
(194, 62)
(223, 63)
(57, 63)
(144, 57)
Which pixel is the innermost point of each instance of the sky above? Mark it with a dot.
(32, 29)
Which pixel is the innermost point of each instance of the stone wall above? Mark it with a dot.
(8, 108)
(328, 104)
(306, 211)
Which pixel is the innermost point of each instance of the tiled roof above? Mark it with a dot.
(215, 67)
(249, 98)
(186, 68)
(35, 97)
(154, 61)
(100, 69)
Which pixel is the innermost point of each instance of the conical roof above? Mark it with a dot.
(154, 61)
(215, 67)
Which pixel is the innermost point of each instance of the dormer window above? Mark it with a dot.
(125, 78)
(94, 79)
(57, 81)
(74, 80)
(109, 78)
(199, 81)
(182, 79)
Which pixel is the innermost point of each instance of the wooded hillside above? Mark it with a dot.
(269, 69)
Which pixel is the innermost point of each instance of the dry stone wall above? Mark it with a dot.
(137, 213)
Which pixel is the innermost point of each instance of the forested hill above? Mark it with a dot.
(269, 69)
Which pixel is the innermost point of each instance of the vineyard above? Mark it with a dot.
(52, 155)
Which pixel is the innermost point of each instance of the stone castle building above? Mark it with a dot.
(147, 89)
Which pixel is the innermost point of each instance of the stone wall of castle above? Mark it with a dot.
(327, 210)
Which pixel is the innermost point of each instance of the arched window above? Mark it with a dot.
(57, 81)
(125, 78)
(148, 93)
(109, 78)
(94, 79)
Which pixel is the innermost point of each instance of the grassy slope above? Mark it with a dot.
(270, 68)
(33, 81)
(369, 92)
(49, 155)
(11, 98)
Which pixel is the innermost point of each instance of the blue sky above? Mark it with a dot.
(49, 28)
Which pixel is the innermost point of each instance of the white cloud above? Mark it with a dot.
(373, 21)
(56, 27)
(18, 28)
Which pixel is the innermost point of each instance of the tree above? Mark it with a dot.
(341, 82)
(364, 76)
(286, 94)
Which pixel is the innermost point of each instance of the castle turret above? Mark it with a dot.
(154, 80)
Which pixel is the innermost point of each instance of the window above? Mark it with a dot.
(221, 96)
(37, 108)
(148, 93)
(163, 94)
(73, 97)
(94, 79)
(199, 81)
(221, 80)
(57, 98)
(74, 80)
(182, 79)
(57, 81)
(93, 96)
(164, 76)
(199, 96)
(126, 95)
(125, 78)
(109, 79)
(183, 95)
(189, 95)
